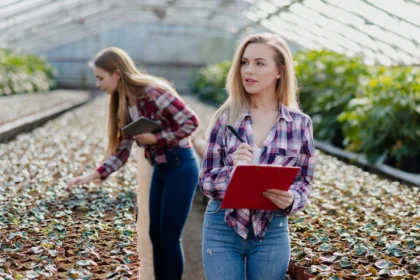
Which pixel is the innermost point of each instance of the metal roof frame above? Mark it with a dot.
(372, 28)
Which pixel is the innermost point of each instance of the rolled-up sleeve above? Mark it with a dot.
(301, 186)
(116, 160)
(214, 175)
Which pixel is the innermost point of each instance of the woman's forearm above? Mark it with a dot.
(94, 175)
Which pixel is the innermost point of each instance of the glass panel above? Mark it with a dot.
(307, 34)
(370, 15)
(380, 33)
(407, 59)
(5, 3)
(412, 30)
(302, 41)
(281, 3)
(320, 31)
(384, 60)
(406, 10)
(266, 7)
(309, 40)
(38, 15)
(27, 5)
(55, 21)
(332, 25)
(252, 16)
(331, 11)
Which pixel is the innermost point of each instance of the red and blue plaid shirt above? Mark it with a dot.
(177, 119)
(289, 143)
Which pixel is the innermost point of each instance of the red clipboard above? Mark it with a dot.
(250, 181)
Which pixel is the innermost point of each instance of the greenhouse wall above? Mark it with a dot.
(173, 52)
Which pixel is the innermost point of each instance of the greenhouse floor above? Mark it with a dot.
(356, 223)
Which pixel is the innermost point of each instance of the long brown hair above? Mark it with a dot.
(131, 85)
(238, 99)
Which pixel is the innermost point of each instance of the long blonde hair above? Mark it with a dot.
(239, 100)
(131, 85)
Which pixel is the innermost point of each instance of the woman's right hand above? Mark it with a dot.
(243, 154)
(81, 180)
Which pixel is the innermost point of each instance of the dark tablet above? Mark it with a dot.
(142, 125)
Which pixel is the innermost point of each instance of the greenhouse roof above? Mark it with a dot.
(383, 31)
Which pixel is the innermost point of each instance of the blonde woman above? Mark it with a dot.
(262, 107)
(175, 175)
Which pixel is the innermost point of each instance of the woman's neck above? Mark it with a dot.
(265, 102)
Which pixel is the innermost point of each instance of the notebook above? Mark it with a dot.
(250, 181)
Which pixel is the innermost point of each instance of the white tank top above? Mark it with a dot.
(256, 155)
(134, 113)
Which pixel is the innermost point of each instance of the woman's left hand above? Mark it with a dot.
(146, 138)
(282, 199)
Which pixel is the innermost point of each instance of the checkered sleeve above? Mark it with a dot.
(301, 187)
(214, 175)
(117, 159)
(185, 121)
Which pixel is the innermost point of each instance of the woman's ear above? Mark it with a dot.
(117, 74)
(279, 71)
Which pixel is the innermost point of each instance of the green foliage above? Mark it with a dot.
(209, 82)
(328, 81)
(384, 119)
(21, 73)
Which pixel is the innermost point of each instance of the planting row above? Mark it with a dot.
(18, 106)
(47, 232)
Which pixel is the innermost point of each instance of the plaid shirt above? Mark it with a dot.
(289, 143)
(178, 120)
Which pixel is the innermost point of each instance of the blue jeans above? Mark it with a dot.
(171, 193)
(227, 256)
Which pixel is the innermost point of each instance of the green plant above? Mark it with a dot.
(20, 73)
(328, 81)
(384, 119)
(209, 82)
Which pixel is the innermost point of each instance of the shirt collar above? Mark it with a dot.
(284, 113)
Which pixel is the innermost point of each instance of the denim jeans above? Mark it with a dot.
(227, 256)
(171, 193)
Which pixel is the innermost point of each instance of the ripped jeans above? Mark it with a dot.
(227, 256)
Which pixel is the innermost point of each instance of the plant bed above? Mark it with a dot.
(45, 225)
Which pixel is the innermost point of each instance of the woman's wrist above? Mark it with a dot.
(95, 175)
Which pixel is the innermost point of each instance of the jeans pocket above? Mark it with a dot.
(213, 207)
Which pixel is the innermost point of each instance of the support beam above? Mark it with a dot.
(359, 30)
(415, 23)
(47, 16)
(87, 28)
(61, 27)
(276, 12)
(23, 7)
(323, 29)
